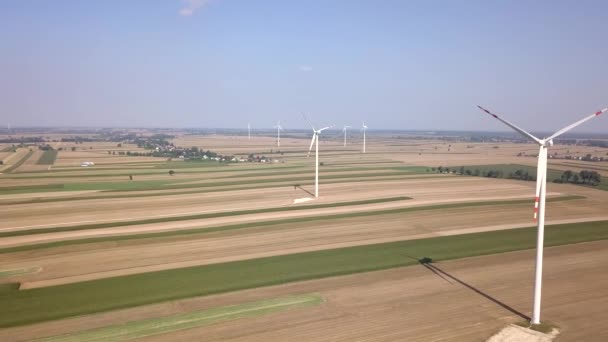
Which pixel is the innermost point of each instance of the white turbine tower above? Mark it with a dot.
(248, 131)
(344, 130)
(315, 140)
(363, 128)
(541, 193)
(279, 129)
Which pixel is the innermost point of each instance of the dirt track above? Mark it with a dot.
(404, 304)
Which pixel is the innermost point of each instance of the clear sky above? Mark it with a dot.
(221, 63)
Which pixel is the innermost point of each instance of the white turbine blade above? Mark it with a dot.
(312, 142)
(521, 131)
(311, 125)
(566, 129)
(324, 128)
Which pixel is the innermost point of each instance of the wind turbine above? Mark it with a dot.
(344, 130)
(248, 131)
(541, 193)
(279, 129)
(315, 140)
(363, 128)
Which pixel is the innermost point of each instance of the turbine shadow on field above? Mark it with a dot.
(426, 262)
(301, 188)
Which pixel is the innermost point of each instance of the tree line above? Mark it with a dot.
(584, 177)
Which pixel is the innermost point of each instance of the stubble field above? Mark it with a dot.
(67, 224)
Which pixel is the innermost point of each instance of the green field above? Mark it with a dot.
(207, 188)
(172, 183)
(54, 302)
(163, 325)
(47, 158)
(18, 271)
(198, 232)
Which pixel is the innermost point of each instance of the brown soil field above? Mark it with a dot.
(409, 151)
(31, 165)
(75, 158)
(423, 191)
(13, 157)
(406, 304)
(77, 263)
(460, 300)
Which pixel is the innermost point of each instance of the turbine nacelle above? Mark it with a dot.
(540, 199)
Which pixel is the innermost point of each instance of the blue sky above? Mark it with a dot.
(222, 63)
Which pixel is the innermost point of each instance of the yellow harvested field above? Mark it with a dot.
(475, 298)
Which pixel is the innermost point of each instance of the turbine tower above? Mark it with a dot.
(344, 130)
(363, 128)
(248, 131)
(541, 193)
(315, 140)
(279, 129)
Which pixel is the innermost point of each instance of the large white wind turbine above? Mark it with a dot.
(541, 193)
(363, 128)
(315, 140)
(344, 130)
(279, 129)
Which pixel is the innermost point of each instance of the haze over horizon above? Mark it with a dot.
(415, 65)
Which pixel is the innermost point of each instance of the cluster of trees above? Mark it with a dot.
(583, 177)
(22, 140)
(78, 140)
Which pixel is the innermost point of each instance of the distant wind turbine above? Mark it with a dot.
(344, 130)
(541, 194)
(279, 129)
(315, 140)
(248, 131)
(363, 128)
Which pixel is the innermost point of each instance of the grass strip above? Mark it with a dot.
(198, 231)
(18, 271)
(156, 326)
(197, 216)
(95, 172)
(47, 158)
(253, 185)
(19, 163)
(30, 188)
(55, 302)
(173, 184)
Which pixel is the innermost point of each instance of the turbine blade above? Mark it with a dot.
(566, 129)
(312, 143)
(521, 131)
(324, 128)
(305, 118)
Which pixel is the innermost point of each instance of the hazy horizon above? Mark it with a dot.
(416, 65)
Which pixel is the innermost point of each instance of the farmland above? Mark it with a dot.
(94, 236)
